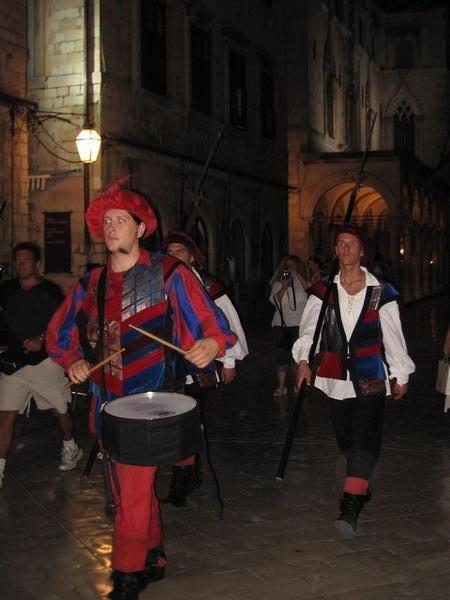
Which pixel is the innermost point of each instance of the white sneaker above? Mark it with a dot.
(70, 457)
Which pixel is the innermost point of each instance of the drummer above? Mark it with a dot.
(157, 293)
(186, 475)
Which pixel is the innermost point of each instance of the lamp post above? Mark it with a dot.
(88, 144)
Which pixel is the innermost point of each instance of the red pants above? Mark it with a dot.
(137, 524)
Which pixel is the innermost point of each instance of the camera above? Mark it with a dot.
(286, 276)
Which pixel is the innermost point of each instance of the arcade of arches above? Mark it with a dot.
(405, 230)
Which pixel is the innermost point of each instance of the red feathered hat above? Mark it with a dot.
(176, 236)
(117, 197)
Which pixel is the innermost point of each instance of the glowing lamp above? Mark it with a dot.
(88, 145)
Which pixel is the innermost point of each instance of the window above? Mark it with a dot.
(404, 54)
(404, 129)
(268, 123)
(360, 32)
(238, 91)
(200, 69)
(329, 105)
(36, 37)
(339, 10)
(267, 253)
(237, 252)
(153, 46)
(328, 87)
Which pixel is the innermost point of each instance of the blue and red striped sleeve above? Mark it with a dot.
(61, 338)
(194, 314)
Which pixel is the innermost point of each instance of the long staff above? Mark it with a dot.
(199, 184)
(301, 393)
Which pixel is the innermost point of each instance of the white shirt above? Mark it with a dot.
(399, 363)
(292, 312)
(240, 349)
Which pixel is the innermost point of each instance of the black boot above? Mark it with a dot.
(184, 481)
(351, 506)
(126, 586)
(153, 570)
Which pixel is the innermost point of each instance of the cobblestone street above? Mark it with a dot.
(277, 540)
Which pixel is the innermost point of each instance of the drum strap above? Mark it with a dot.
(101, 294)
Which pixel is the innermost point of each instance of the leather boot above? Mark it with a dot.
(184, 481)
(126, 586)
(155, 568)
(351, 506)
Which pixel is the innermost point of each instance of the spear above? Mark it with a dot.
(335, 267)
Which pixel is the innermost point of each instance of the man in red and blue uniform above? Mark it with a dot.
(156, 293)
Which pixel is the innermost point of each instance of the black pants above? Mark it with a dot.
(358, 426)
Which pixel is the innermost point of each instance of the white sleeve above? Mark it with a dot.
(240, 349)
(276, 287)
(306, 329)
(397, 358)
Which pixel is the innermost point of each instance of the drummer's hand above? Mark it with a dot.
(33, 344)
(203, 352)
(228, 375)
(78, 371)
(303, 373)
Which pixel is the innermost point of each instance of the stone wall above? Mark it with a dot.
(13, 146)
(56, 80)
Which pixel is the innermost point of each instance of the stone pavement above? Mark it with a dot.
(277, 540)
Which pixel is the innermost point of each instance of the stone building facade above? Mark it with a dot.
(371, 75)
(13, 129)
(168, 82)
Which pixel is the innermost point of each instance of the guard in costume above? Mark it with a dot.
(362, 347)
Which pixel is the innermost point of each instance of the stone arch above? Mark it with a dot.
(331, 181)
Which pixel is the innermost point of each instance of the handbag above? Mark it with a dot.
(287, 336)
(286, 340)
(443, 375)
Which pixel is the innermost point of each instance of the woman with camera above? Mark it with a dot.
(288, 295)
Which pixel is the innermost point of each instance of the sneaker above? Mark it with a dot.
(279, 392)
(70, 457)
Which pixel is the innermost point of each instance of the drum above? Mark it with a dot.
(152, 428)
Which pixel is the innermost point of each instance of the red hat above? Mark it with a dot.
(176, 236)
(352, 230)
(117, 197)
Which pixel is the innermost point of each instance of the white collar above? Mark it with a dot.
(370, 279)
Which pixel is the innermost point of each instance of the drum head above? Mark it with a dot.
(150, 405)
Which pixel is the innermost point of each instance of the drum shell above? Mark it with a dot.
(157, 442)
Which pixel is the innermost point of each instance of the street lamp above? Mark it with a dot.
(88, 144)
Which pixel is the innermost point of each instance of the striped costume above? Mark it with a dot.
(161, 295)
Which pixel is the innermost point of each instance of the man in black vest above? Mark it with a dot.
(362, 347)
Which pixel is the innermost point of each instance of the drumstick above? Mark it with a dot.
(100, 364)
(158, 339)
